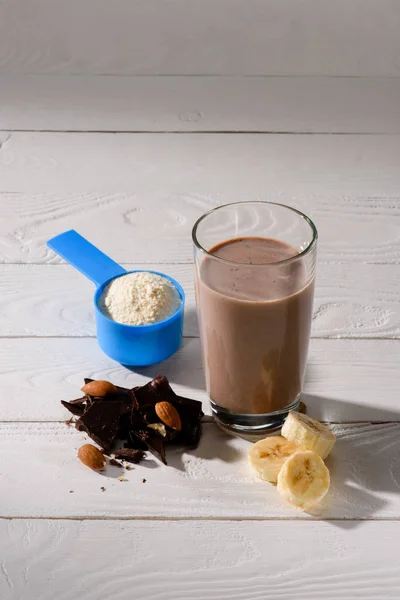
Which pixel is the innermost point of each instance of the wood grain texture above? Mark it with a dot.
(283, 104)
(217, 166)
(346, 380)
(257, 561)
(348, 37)
(352, 300)
(214, 480)
(155, 226)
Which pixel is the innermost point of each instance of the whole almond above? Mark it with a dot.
(168, 414)
(99, 388)
(91, 457)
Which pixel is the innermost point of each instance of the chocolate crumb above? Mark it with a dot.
(115, 463)
(103, 489)
(143, 481)
(130, 455)
(71, 491)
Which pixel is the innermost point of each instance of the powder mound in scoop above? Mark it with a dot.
(139, 299)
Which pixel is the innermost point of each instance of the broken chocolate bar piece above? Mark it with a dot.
(152, 442)
(75, 409)
(101, 421)
(82, 400)
(129, 415)
(157, 390)
(130, 455)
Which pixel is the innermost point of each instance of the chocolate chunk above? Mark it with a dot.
(153, 442)
(157, 390)
(130, 455)
(101, 422)
(80, 400)
(75, 409)
(126, 414)
(125, 424)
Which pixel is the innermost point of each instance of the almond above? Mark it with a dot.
(168, 414)
(91, 457)
(99, 388)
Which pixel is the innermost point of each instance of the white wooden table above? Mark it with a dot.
(127, 128)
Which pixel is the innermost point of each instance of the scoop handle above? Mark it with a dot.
(85, 257)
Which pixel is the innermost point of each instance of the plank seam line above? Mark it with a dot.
(183, 75)
(213, 519)
(184, 263)
(201, 132)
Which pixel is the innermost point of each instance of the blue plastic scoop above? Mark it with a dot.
(131, 345)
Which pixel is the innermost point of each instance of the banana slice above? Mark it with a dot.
(303, 479)
(308, 433)
(267, 456)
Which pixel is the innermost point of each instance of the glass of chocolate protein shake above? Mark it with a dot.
(254, 278)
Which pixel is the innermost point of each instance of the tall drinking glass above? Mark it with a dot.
(254, 279)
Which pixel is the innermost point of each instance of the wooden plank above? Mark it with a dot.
(352, 300)
(189, 560)
(200, 167)
(284, 104)
(150, 227)
(213, 481)
(346, 380)
(348, 37)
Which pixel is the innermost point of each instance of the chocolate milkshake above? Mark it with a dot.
(255, 317)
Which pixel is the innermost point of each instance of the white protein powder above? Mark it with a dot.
(139, 299)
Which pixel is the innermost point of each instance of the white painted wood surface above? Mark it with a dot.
(213, 481)
(203, 526)
(351, 301)
(220, 37)
(159, 560)
(148, 218)
(217, 166)
(346, 380)
(259, 104)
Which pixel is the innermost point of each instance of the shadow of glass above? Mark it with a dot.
(337, 411)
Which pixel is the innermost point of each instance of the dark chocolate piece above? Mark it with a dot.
(130, 455)
(75, 409)
(80, 400)
(101, 421)
(124, 426)
(157, 390)
(153, 442)
(128, 415)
